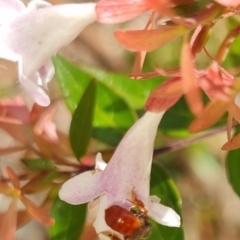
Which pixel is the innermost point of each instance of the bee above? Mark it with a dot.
(133, 224)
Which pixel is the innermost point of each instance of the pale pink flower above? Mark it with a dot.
(128, 171)
(32, 35)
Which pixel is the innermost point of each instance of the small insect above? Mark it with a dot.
(133, 224)
(142, 232)
(122, 220)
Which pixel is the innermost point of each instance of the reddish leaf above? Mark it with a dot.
(165, 8)
(36, 111)
(13, 177)
(165, 95)
(23, 218)
(15, 129)
(44, 120)
(200, 38)
(229, 126)
(225, 46)
(9, 150)
(209, 13)
(209, 116)
(234, 110)
(64, 148)
(16, 108)
(140, 56)
(36, 212)
(232, 144)
(4, 188)
(9, 222)
(36, 184)
(189, 81)
(116, 11)
(148, 40)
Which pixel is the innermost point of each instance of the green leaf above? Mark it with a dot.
(177, 118)
(81, 125)
(113, 115)
(72, 81)
(70, 220)
(233, 170)
(133, 92)
(163, 186)
(36, 164)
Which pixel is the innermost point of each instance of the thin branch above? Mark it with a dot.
(184, 143)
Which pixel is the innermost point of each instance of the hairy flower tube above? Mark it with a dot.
(32, 35)
(128, 171)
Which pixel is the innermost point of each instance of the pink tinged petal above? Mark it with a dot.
(129, 167)
(36, 92)
(116, 11)
(10, 9)
(82, 188)
(163, 215)
(45, 74)
(39, 34)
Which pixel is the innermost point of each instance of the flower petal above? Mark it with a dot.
(163, 215)
(82, 188)
(133, 157)
(36, 36)
(46, 73)
(36, 92)
(10, 9)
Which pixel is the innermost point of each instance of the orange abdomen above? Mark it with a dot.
(121, 220)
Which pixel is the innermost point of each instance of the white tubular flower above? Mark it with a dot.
(128, 171)
(32, 35)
